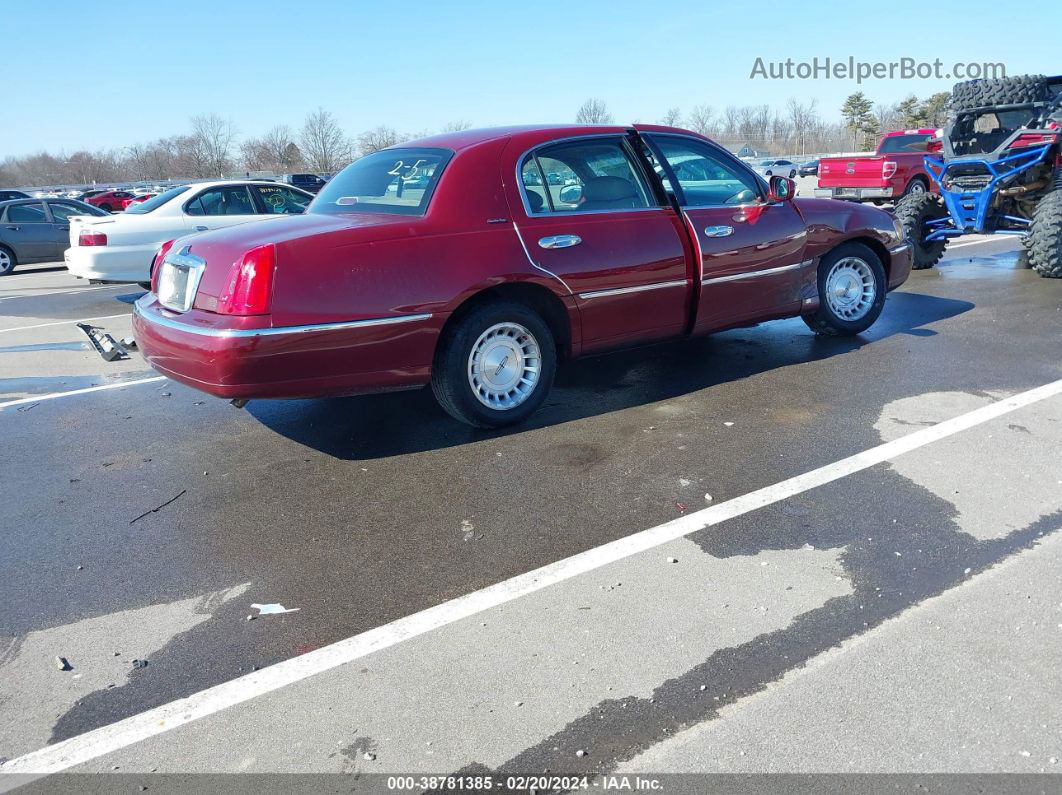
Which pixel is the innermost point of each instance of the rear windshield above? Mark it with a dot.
(391, 181)
(147, 206)
(904, 143)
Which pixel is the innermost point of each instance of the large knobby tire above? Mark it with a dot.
(912, 211)
(1045, 236)
(852, 288)
(7, 260)
(494, 366)
(998, 91)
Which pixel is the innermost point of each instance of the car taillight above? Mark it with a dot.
(934, 145)
(824, 168)
(92, 239)
(888, 168)
(250, 287)
(156, 264)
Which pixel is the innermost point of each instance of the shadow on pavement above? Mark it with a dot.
(375, 426)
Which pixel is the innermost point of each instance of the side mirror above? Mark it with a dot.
(571, 194)
(781, 189)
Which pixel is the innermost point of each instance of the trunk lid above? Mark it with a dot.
(852, 172)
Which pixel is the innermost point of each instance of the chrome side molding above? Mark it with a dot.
(641, 288)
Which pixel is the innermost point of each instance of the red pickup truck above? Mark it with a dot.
(895, 170)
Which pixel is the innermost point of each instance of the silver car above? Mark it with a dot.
(37, 230)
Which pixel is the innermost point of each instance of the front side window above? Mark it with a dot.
(279, 200)
(27, 214)
(705, 177)
(589, 175)
(397, 181)
(228, 200)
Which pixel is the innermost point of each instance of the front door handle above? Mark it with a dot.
(718, 231)
(13, 228)
(64, 228)
(202, 228)
(560, 241)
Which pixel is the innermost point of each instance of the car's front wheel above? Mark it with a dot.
(7, 261)
(495, 365)
(851, 291)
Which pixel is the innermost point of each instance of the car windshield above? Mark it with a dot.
(151, 204)
(391, 181)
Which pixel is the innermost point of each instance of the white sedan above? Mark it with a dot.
(781, 168)
(119, 248)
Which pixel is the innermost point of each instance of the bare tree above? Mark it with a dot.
(456, 126)
(672, 118)
(212, 139)
(702, 119)
(275, 151)
(324, 145)
(378, 138)
(593, 111)
(889, 116)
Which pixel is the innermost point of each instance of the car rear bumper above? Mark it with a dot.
(241, 361)
(856, 194)
(111, 263)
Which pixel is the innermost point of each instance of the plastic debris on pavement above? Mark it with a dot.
(273, 609)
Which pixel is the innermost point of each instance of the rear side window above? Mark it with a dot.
(904, 143)
(397, 181)
(62, 212)
(27, 214)
(590, 175)
(228, 200)
(279, 200)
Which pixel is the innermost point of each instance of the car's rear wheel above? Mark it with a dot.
(913, 211)
(107, 208)
(915, 186)
(851, 291)
(495, 366)
(7, 260)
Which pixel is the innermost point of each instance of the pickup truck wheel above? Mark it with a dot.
(912, 211)
(495, 366)
(851, 291)
(7, 261)
(1045, 236)
(916, 185)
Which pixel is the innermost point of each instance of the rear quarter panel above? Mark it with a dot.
(831, 222)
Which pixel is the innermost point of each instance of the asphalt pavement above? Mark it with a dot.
(519, 601)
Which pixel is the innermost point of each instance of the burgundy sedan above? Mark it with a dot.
(474, 261)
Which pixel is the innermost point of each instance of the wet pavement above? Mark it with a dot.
(361, 511)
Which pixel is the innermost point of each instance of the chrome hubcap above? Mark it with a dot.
(504, 366)
(918, 187)
(5, 262)
(850, 288)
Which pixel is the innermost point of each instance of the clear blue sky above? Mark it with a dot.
(118, 72)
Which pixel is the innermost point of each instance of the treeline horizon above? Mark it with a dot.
(213, 148)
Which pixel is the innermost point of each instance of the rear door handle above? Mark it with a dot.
(718, 231)
(64, 228)
(13, 228)
(560, 241)
(202, 228)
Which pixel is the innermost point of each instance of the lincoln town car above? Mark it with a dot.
(474, 261)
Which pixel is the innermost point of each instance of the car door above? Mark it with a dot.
(751, 250)
(596, 225)
(219, 207)
(28, 230)
(60, 223)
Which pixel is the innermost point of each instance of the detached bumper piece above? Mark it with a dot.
(107, 346)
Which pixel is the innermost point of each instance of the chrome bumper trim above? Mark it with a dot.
(188, 328)
(756, 274)
(899, 248)
(641, 288)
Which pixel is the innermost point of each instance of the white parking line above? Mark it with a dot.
(63, 323)
(98, 742)
(972, 243)
(85, 391)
